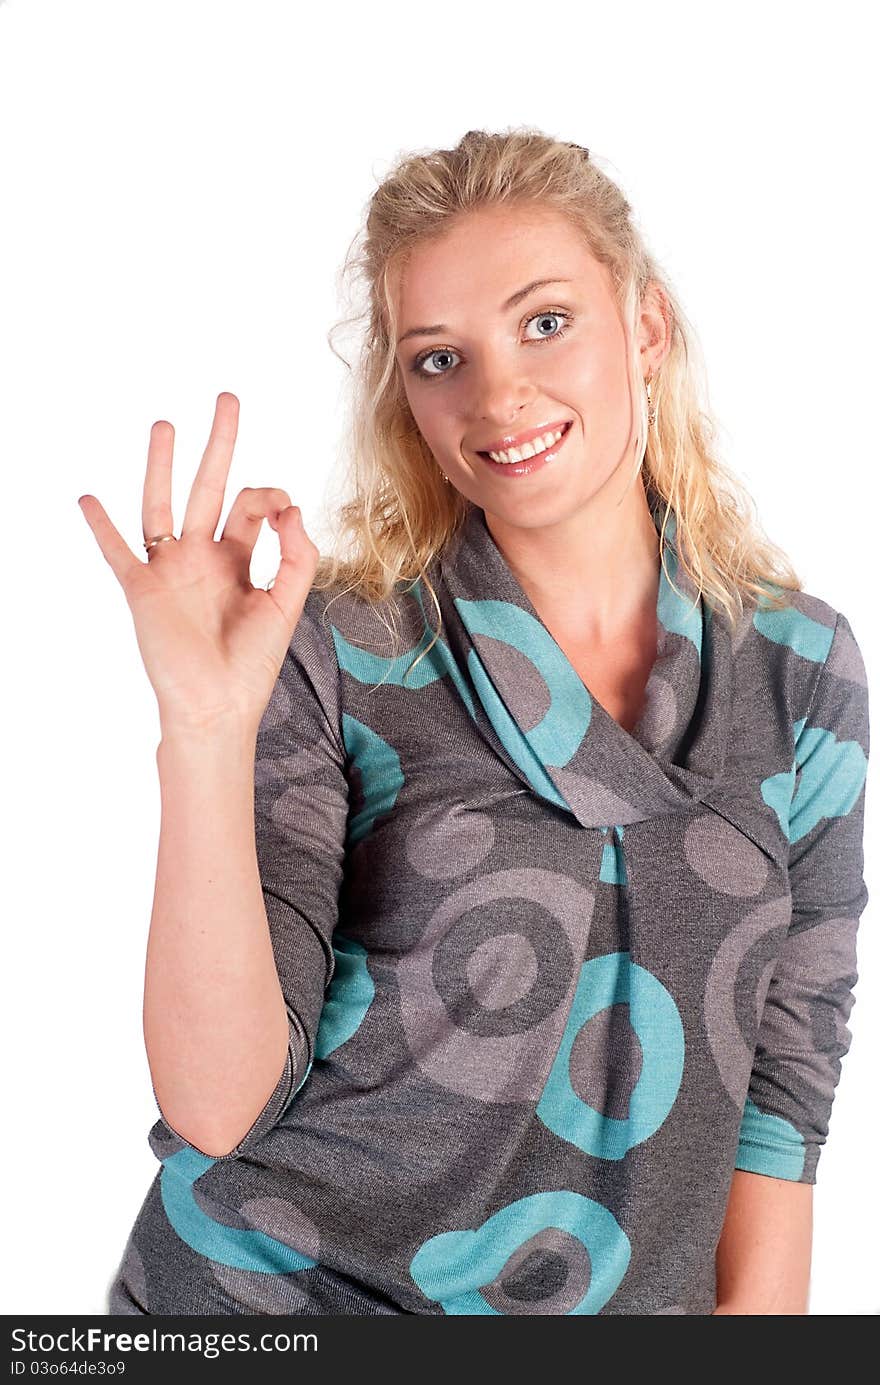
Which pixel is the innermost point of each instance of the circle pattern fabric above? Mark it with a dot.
(548, 981)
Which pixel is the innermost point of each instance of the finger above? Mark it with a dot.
(111, 543)
(299, 559)
(251, 506)
(206, 497)
(156, 513)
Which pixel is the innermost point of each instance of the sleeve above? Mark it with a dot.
(804, 1034)
(300, 819)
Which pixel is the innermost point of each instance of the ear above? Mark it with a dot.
(655, 327)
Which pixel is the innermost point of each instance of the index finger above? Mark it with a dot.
(206, 497)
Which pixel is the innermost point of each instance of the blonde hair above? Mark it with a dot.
(398, 512)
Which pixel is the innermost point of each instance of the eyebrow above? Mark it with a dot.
(510, 303)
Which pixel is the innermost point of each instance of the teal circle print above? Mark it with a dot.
(348, 997)
(654, 1044)
(554, 1252)
(239, 1248)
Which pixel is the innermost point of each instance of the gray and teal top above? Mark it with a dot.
(549, 982)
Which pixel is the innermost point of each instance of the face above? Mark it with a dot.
(500, 360)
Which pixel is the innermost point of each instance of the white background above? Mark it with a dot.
(180, 182)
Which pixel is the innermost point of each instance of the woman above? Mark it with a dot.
(510, 869)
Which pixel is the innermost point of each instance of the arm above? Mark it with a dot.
(228, 1035)
(251, 863)
(763, 1257)
(215, 1025)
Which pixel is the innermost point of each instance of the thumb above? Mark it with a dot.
(299, 561)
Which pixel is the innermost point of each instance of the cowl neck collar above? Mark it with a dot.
(554, 733)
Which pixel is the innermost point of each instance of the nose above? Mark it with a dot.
(500, 393)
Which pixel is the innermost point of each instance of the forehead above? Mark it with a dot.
(484, 257)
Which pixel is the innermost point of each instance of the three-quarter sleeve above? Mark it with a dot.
(300, 819)
(804, 1033)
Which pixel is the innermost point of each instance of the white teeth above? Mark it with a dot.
(529, 449)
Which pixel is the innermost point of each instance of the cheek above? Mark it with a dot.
(589, 368)
(434, 419)
(592, 379)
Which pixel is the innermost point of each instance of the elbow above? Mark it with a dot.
(209, 1141)
(203, 1133)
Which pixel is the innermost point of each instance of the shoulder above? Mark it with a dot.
(344, 617)
(793, 648)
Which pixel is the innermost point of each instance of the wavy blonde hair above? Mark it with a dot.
(398, 513)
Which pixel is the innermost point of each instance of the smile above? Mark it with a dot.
(522, 461)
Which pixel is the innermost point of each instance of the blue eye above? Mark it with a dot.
(445, 353)
(542, 319)
(440, 351)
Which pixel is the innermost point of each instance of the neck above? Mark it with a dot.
(594, 574)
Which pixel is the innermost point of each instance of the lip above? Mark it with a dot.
(520, 439)
(528, 465)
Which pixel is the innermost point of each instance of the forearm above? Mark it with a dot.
(215, 1020)
(764, 1252)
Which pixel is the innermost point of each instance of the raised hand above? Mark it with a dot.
(211, 642)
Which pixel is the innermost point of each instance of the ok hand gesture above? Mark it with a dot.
(212, 643)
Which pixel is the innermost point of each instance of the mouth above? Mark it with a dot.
(515, 463)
